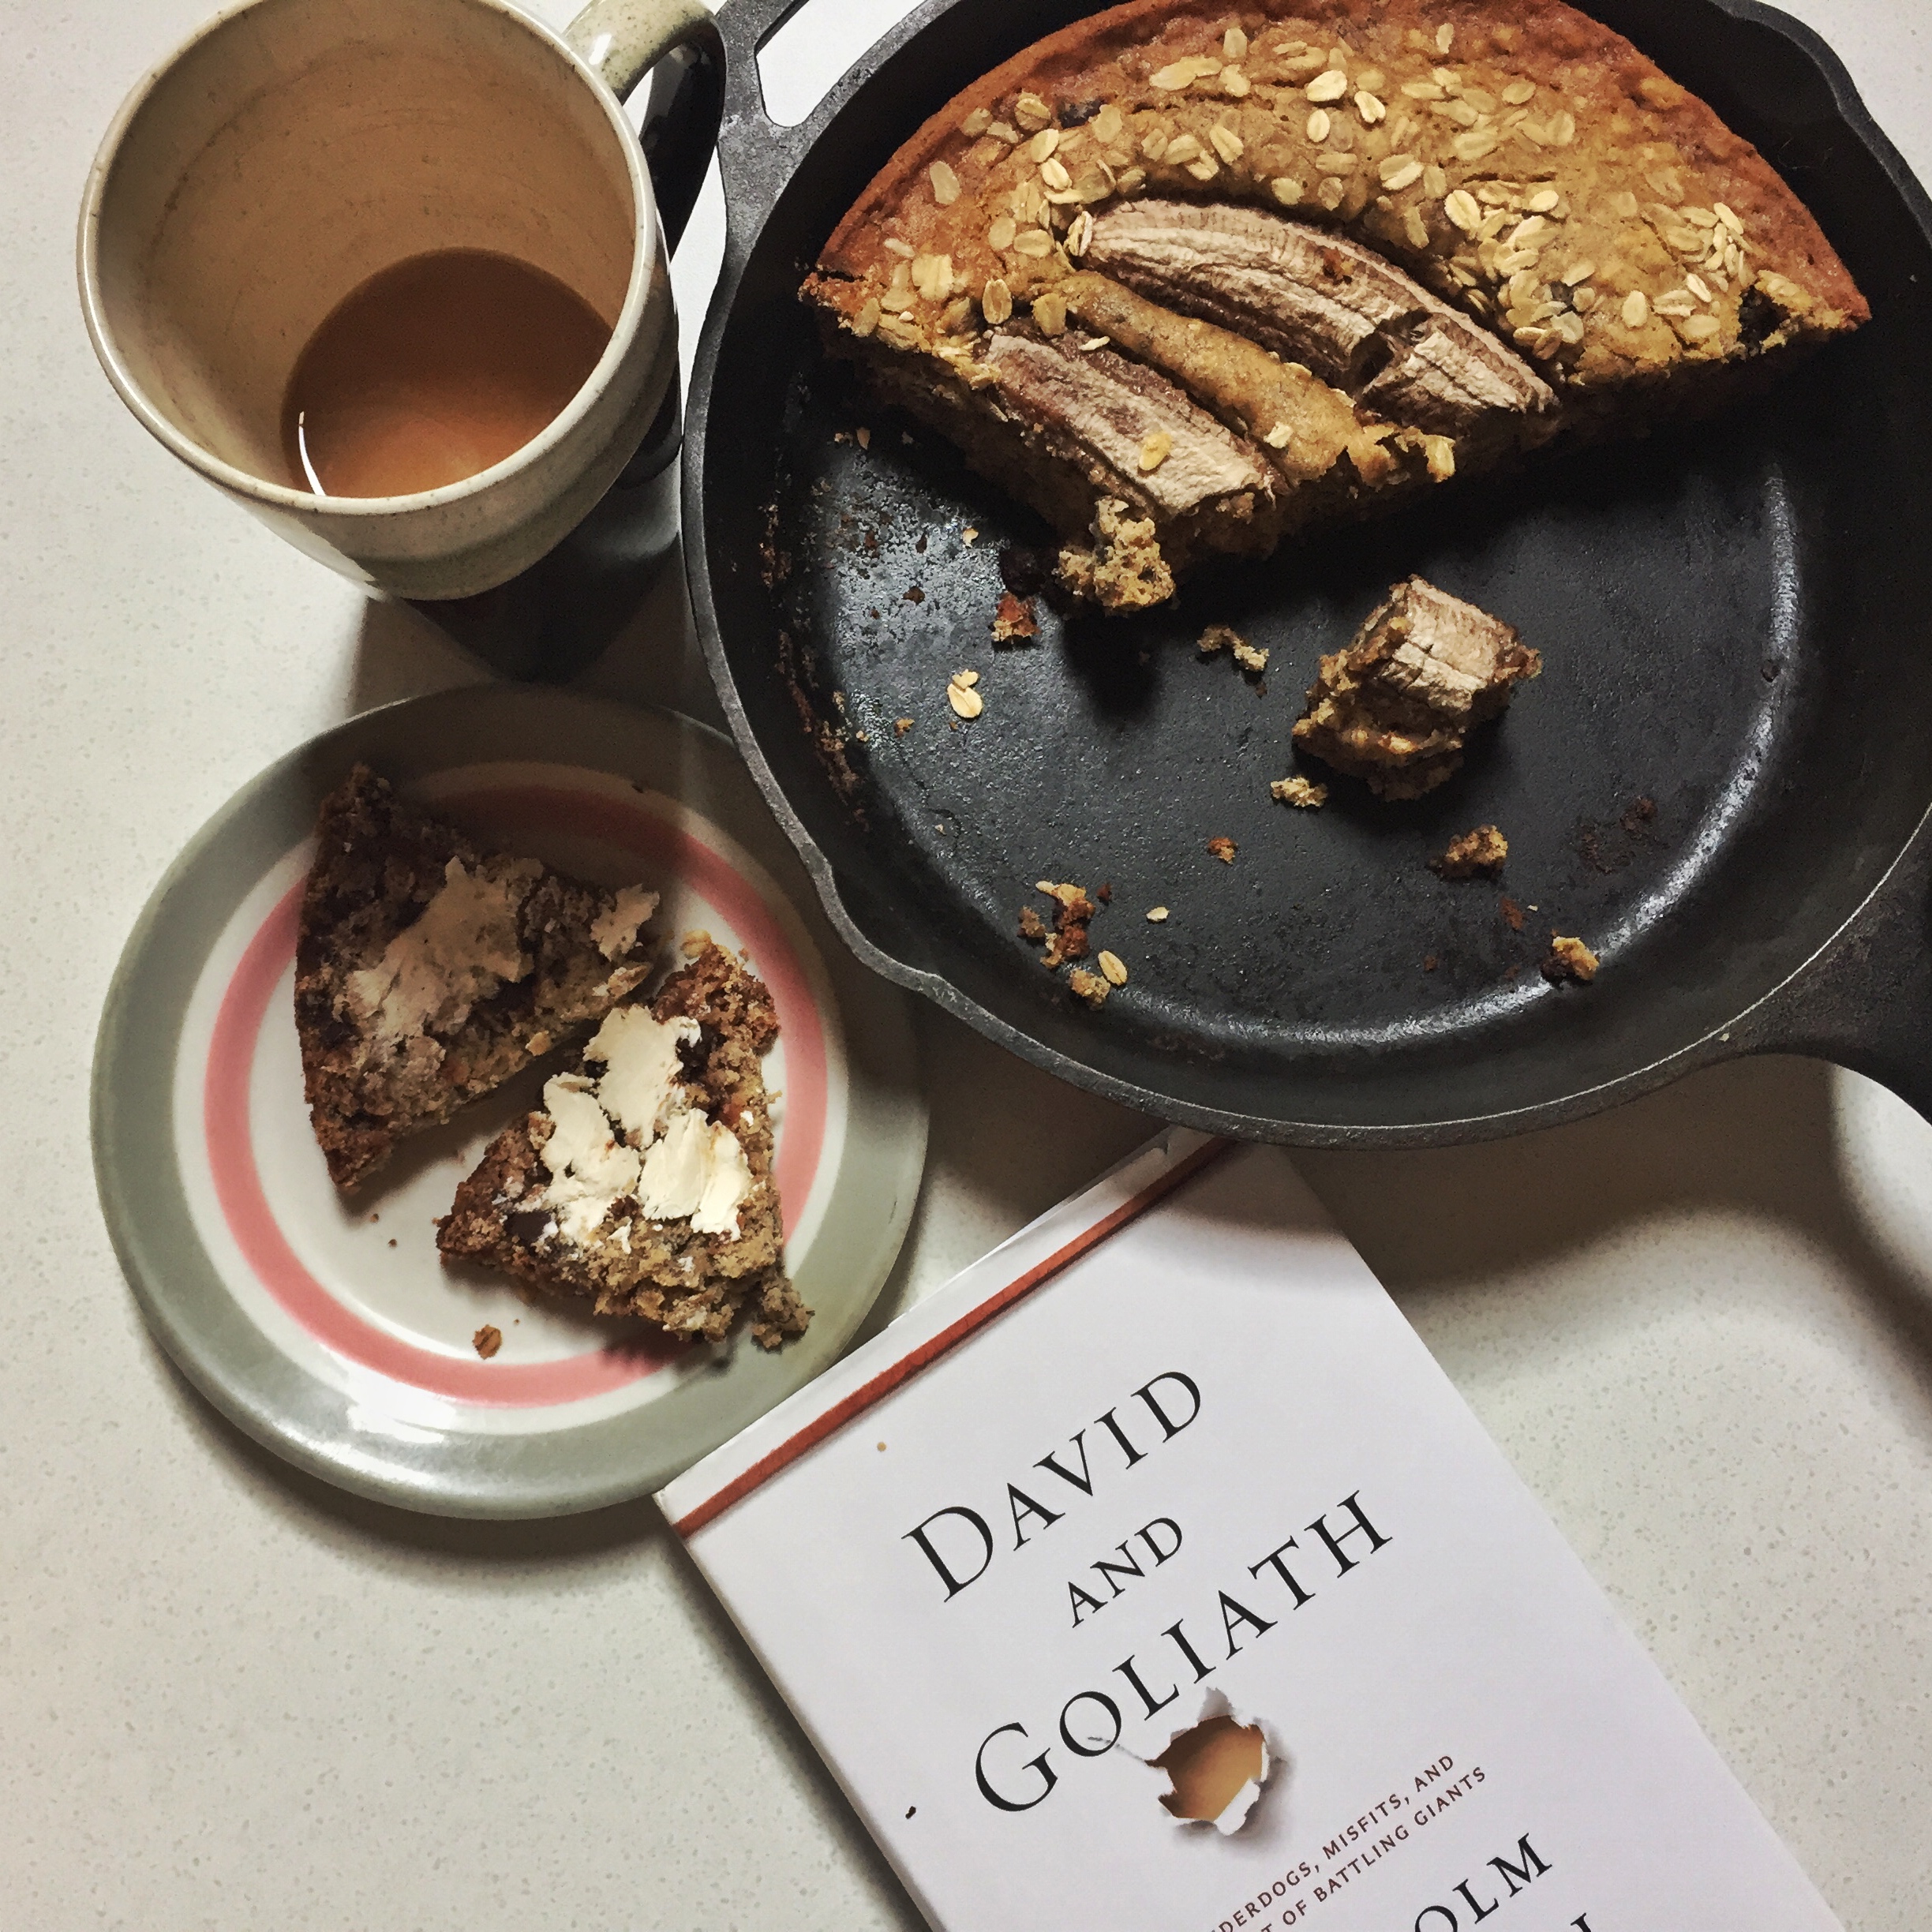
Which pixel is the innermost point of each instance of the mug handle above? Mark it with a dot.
(621, 41)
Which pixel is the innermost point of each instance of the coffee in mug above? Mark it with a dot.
(435, 368)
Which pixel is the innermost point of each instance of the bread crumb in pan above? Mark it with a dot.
(1305, 792)
(1015, 619)
(1476, 854)
(1569, 959)
(1088, 986)
(1216, 637)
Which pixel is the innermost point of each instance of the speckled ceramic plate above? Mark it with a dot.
(331, 1331)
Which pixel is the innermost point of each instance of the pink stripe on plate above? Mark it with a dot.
(244, 1011)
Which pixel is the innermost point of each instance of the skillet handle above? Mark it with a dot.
(1865, 1000)
(622, 40)
(755, 154)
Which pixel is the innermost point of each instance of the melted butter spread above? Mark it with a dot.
(697, 1168)
(633, 1132)
(590, 1169)
(615, 932)
(461, 949)
(639, 1089)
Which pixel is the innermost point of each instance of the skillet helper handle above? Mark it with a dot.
(1865, 1000)
(622, 40)
(755, 152)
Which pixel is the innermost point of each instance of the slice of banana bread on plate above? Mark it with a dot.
(427, 971)
(644, 1184)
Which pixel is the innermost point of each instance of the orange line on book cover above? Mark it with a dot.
(929, 1351)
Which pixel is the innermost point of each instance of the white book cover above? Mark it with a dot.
(1168, 1476)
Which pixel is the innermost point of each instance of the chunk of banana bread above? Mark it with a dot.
(427, 971)
(1395, 708)
(644, 1185)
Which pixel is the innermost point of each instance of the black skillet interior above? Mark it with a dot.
(1731, 617)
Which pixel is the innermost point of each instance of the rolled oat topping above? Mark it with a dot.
(1369, 251)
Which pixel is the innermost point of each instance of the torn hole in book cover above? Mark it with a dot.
(1215, 1766)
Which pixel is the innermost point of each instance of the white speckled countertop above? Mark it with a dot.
(231, 1698)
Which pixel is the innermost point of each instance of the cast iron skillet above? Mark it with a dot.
(1733, 619)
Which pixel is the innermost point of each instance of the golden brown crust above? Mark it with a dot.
(1631, 121)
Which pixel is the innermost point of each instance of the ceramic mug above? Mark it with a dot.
(292, 148)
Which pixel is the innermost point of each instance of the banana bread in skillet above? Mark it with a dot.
(1188, 277)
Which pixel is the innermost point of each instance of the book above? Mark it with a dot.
(1150, 1574)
